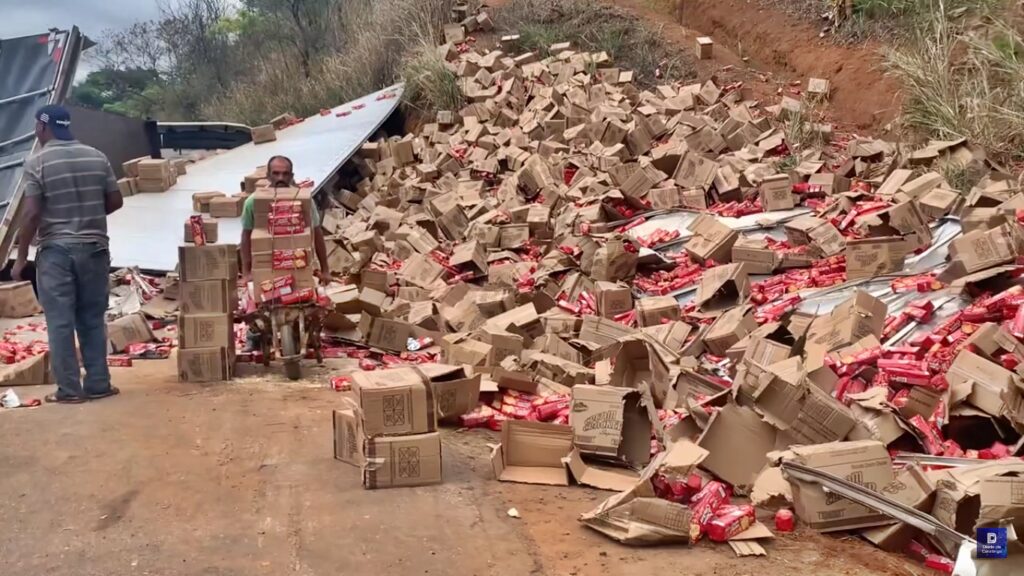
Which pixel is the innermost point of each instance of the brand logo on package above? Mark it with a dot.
(409, 462)
(855, 478)
(394, 410)
(991, 543)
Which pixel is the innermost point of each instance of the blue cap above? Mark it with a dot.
(58, 119)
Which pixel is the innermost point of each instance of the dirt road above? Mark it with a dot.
(239, 479)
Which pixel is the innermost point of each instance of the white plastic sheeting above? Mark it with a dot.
(148, 230)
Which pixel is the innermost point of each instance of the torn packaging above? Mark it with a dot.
(981, 383)
(127, 330)
(911, 487)
(729, 328)
(611, 423)
(755, 256)
(711, 240)
(860, 315)
(638, 517)
(737, 441)
(979, 250)
(532, 453)
(613, 299)
(865, 463)
(454, 391)
(654, 310)
(723, 287)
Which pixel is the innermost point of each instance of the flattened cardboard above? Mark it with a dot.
(532, 453)
(614, 479)
(611, 423)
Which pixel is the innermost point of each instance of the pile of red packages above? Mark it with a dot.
(516, 405)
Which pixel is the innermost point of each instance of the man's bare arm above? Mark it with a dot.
(246, 249)
(320, 245)
(33, 211)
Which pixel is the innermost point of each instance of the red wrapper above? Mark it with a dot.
(285, 207)
(198, 233)
(299, 297)
(785, 521)
(119, 361)
(704, 505)
(286, 230)
(930, 437)
(341, 383)
(730, 521)
(296, 259)
(291, 219)
(367, 365)
(940, 563)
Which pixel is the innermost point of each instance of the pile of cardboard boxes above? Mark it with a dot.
(388, 427)
(148, 175)
(207, 301)
(282, 244)
(505, 238)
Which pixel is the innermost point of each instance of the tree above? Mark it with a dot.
(133, 92)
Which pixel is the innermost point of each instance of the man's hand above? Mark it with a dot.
(324, 275)
(18, 269)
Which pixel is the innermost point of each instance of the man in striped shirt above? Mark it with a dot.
(69, 188)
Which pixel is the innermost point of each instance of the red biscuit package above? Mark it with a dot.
(295, 219)
(278, 287)
(278, 207)
(730, 521)
(299, 297)
(704, 505)
(296, 259)
(119, 361)
(286, 229)
(198, 233)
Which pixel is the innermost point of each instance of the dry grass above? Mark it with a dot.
(379, 35)
(965, 81)
(594, 26)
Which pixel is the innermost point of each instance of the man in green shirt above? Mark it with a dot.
(281, 175)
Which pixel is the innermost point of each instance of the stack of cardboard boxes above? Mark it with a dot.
(207, 300)
(282, 245)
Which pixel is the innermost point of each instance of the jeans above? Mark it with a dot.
(73, 283)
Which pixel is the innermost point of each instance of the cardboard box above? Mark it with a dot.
(823, 238)
(153, 168)
(201, 200)
(611, 423)
(126, 186)
(207, 297)
(455, 392)
(532, 453)
(209, 229)
(349, 437)
(127, 330)
(395, 401)
(653, 310)
(264, 133)
(711, 240)
(705, 48)
(263, 198)
(723, 287)
(874, 256)
(18, 300)
(940, 202)
(865, 463)
(201, 365)
(980, 382)
(737, 441)
(262, 241)
(390, 335)
(402, 461)
(777, 193)
(206, 331)
(210, 262)
(755, 256)
(613, 299)
(226, 207)
(859, 316)
(729, 328)
(979, 250)
(912, 487)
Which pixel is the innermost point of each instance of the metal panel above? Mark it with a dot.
(34, 70)
(147, 231)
